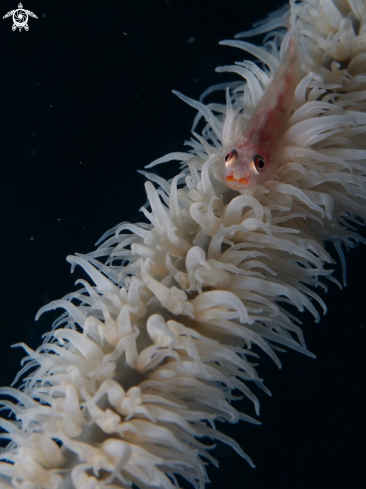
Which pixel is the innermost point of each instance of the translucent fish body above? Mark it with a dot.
(254, 157)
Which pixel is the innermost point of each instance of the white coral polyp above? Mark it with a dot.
(144, 361)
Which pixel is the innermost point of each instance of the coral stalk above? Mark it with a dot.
(149, 354)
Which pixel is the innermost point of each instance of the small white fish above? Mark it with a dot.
(253, 158)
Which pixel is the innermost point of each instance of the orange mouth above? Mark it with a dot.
(236, 183)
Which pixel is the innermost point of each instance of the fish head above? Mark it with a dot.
(247, 165)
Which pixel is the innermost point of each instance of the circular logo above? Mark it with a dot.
(20, 17)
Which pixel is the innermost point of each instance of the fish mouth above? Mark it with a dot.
(237, 183)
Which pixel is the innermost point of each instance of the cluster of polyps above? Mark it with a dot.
(144, 361)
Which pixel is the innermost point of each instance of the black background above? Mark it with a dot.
(85, 102)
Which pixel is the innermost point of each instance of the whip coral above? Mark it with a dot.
(156, 347)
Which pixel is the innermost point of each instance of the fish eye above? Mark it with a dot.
(257, 164)
(230, 156)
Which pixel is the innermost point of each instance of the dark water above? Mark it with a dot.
(86, 101)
